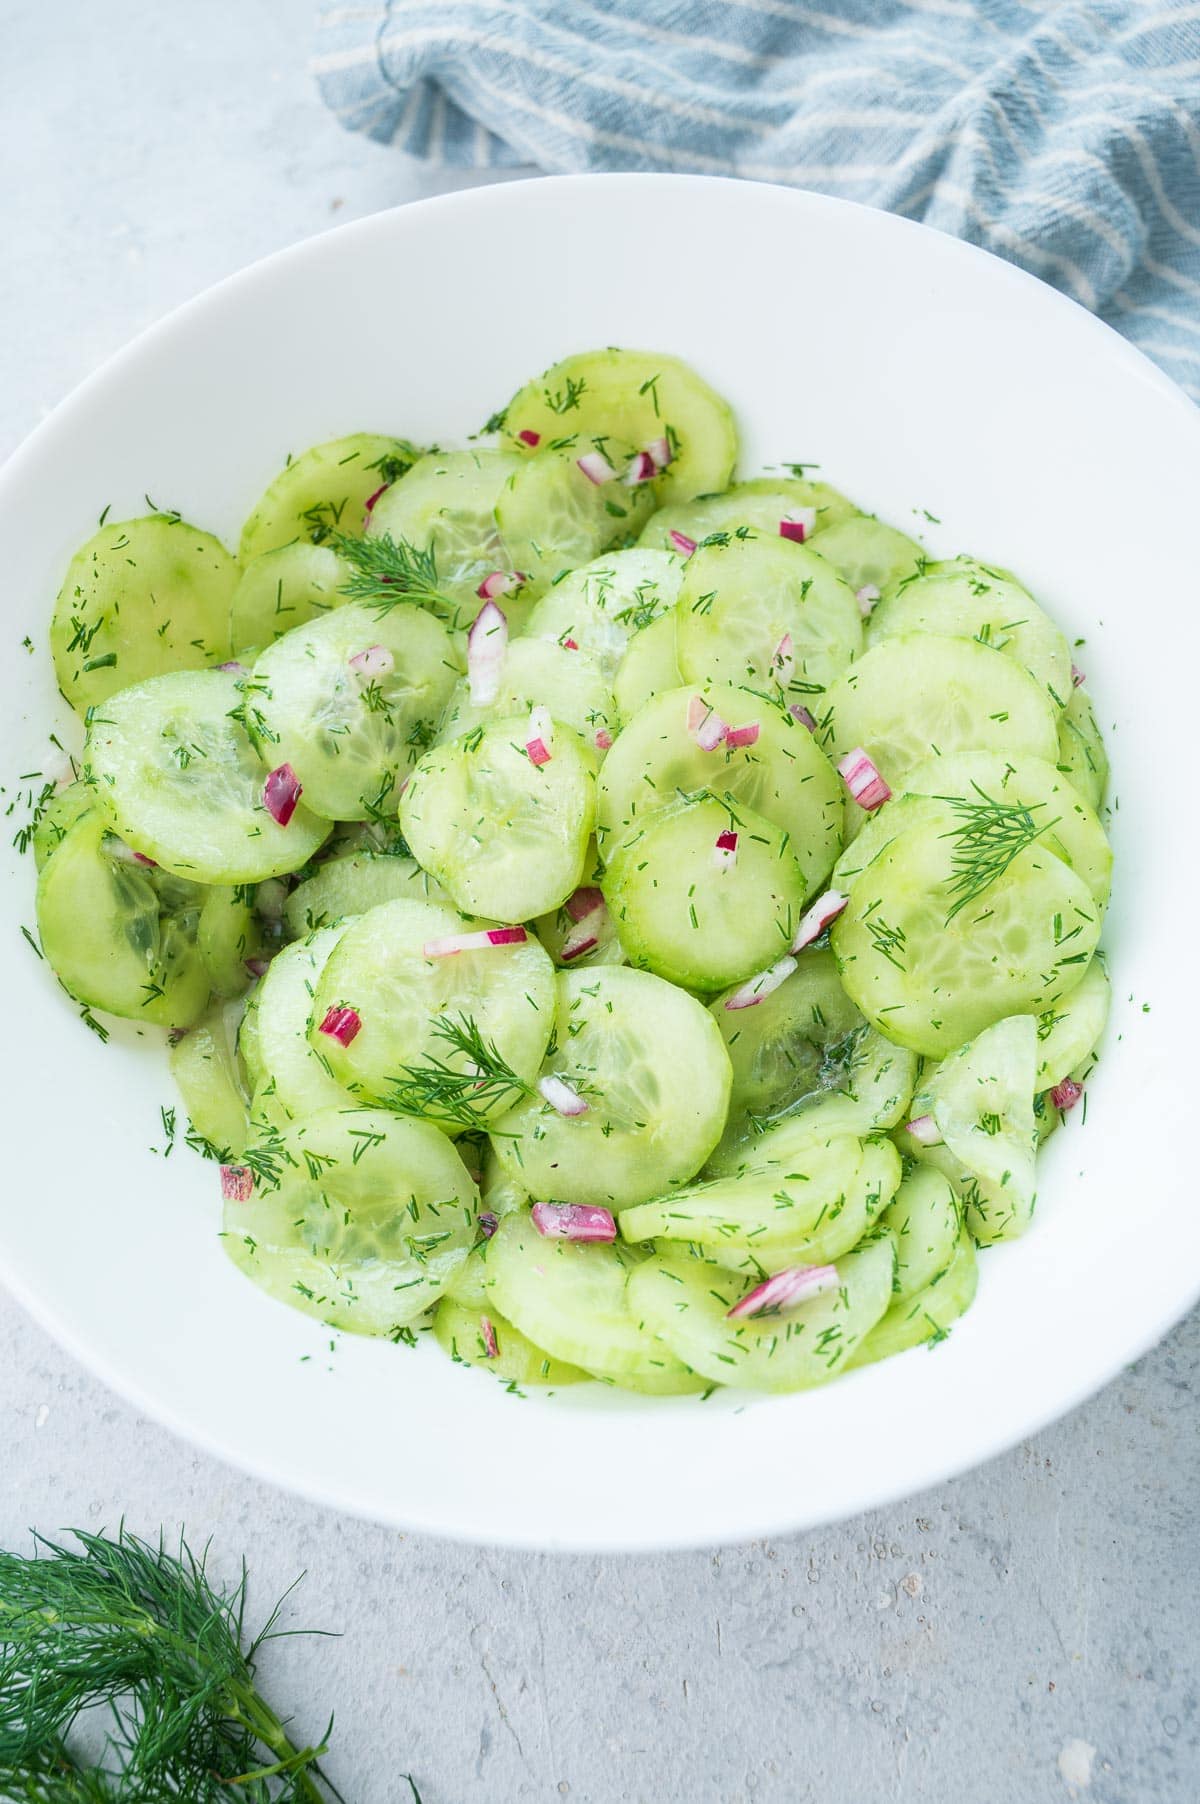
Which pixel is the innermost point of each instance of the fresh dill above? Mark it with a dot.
(466, 1086)
(387, 571)
(987, 837)
(144, 1633)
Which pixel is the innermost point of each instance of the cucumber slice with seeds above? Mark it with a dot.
(686, 1302)
(176, 777)
(459, 1331)
(141, 597)
(650, 1063)
(974, 601)
(761, 505)
(367, 1218)
(283, 588)
(325, 490)
(1081, 755)
(289, 1079)
(648, 667)
(867, 554)
(630, 399)
(498, 831)
(552, 517)
(447, 505)
(604, 605)
(57, 819)
(686, 920)
(351, 734)
(352, 884)
(406, 1002)
(767, 614)
(539, 673)
(926, 1317)
(230, 931)
(1070, 1031)
(926, 1220)
(981, 1098)
(783, 776)
(204, 1065)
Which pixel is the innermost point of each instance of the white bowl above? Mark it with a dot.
(922, 374)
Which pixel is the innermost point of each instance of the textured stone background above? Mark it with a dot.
(1021, 1636)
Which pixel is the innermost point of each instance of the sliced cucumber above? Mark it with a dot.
(120, 936)
(761, 504)
(499, 832)
(1081, 755)
(351, 884)
(925, 1318)
(920, 696)
(654, 1072)
(934, 946)
(57, 819)
(406, 1003)
(807, 1210)
(175, 775)
(869, 555)
(604, 605)
(767, 614)
(204, 1065)
(446, 505)
(570, 1298)
(230, 931)
(283, 588)
(686, 1301)
(648, 667)
(289, 1080)
(553, 518)
(540, 673)
(351, 733)
(686, 920)
(966, 599)
(140, 598)
(629, 400)
(462, 1333)
(783, 776)
(1069, 1032)
(981, 1098)
(325, 490)
(926, 1220)
(367, 1218)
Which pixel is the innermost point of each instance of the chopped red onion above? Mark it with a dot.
(681, 543)
(786, 1290)
(866, 597)
(604, 739)
(659, 452)
(281, 791)
(237, 1183)
(596, 467)
(816, 919)
(569, 644)
(1077, 676)
(799, 525)
(576, 945)
(757, 989)
(499, 582)
(863, 780)
(803, 716)
(487, 643)
(528, 437)
(705, 724)
(561, 1097)
(583, 902)
(257, 967)
(487, 1224)
(487, 1335)
(377, 660)
(783, 661)
(735, 737)
(541, 736)
(342, 1025)
(116, 850)
(573, 1221)
(232, 664)
(482, 941)
(369, 503)
(725, 851)
(1064, 1096)
(925, 1130)
(642, 469)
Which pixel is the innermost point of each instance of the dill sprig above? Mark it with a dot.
(388, 571)
(144, 1633)
(987, 836)
(467, 1093)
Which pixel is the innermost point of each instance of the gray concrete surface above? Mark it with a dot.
(1024, 1635)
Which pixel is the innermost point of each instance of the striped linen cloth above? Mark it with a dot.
(1063, 134)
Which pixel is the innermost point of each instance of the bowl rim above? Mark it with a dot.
(754, 1522)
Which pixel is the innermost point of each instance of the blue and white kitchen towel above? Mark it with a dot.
(1064, 134)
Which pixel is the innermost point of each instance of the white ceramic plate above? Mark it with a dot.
(921, 374)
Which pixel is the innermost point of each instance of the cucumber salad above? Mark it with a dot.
(638, 923)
